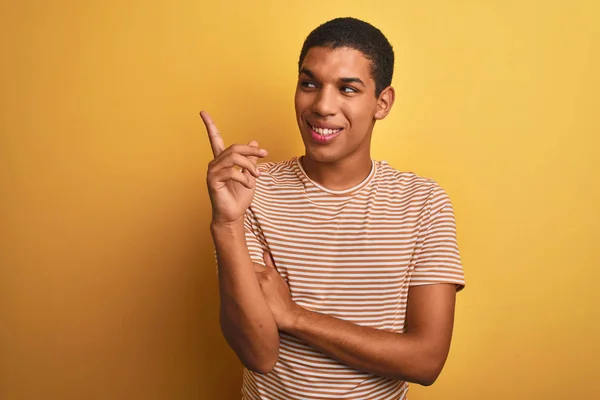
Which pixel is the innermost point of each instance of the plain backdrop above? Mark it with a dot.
(107, 275)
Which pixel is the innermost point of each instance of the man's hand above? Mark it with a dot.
(231, 190)
(277, 294)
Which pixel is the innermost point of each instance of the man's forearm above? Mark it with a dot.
(405, 356)
(246, 320)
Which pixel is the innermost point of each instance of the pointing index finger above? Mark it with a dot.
(216, 141)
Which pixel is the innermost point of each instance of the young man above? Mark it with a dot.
(337, 273)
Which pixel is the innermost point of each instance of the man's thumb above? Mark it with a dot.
(268, 259)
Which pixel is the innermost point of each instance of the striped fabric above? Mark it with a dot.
(350, 254)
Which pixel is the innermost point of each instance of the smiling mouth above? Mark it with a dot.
(325, 131)
(324, 136)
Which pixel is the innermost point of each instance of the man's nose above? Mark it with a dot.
(326, 102)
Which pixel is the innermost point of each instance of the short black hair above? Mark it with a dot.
(358, 35)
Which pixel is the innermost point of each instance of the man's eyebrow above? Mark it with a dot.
(353, 80)
(309, 73)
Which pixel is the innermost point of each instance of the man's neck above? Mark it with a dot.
(340, 175)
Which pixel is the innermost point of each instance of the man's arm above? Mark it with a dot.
(417, 355)
(246, 321)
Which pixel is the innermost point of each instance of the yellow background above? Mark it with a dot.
(107, 278)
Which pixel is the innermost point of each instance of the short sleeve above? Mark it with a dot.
(254, 238)
(437, 257)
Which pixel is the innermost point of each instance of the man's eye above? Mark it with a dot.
(308, 84)
(349, 89)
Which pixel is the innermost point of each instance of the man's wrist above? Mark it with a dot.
(226, 227)
(296, 319)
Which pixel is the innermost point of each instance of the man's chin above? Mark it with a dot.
(321, 155)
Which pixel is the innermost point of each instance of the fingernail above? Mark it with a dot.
(264, 152)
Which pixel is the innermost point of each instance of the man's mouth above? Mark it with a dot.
(324, 135)
(325, 131)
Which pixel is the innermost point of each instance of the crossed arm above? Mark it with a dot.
(256, 304)
(417, 355)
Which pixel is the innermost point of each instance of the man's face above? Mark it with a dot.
(335, 104)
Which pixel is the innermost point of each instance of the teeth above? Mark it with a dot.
(325, 132)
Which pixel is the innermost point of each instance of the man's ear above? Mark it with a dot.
(385, 101)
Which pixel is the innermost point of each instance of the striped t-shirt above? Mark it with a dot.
(351, 254)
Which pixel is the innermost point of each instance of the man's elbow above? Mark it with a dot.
(259, 360)
(262, 367)
(430, 371)
(427, 379)
(257, 355)
(424, 367)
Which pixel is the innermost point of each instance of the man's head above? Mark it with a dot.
(345, 72)
(358, 35)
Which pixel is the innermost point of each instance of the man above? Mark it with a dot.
(337, 273)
